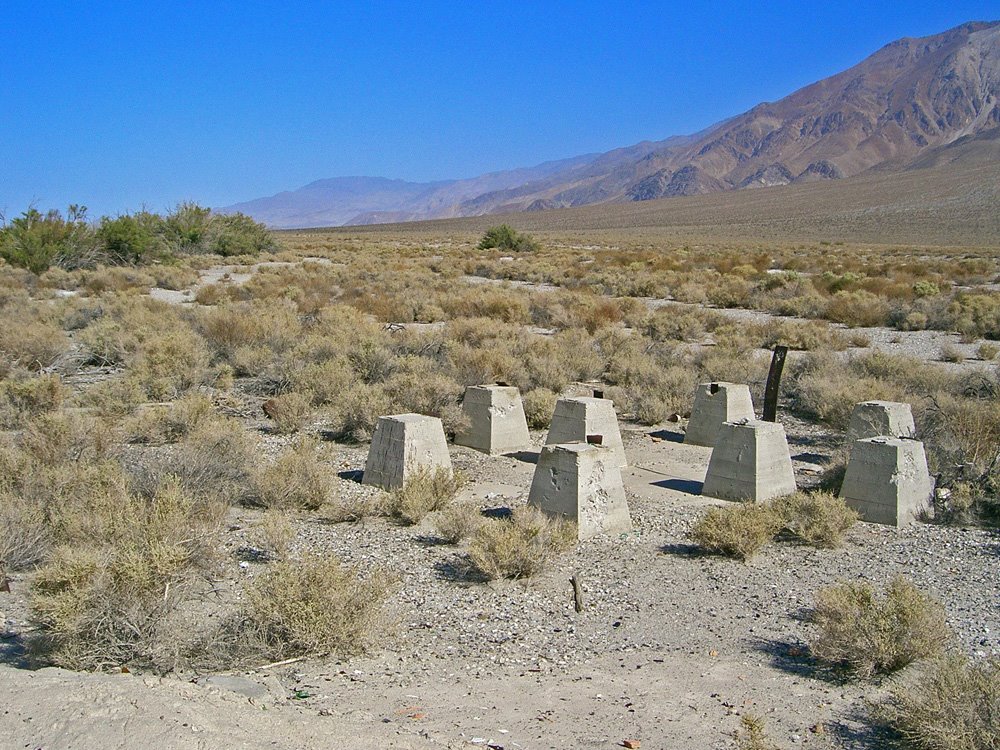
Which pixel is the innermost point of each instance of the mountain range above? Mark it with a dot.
(898, 109)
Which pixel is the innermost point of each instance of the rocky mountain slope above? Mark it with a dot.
(895, 108)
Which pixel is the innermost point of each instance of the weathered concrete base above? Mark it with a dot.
(402, 445)
(880, 419)
(887, 481)
(750, 461)
(574, 419)
(584, 484)
(714, 405)
(496, 420)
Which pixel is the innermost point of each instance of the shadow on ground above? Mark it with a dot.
(528, 457)
(687, 486)
(668, 436)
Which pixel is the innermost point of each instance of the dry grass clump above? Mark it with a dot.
(298, 480)
(954, 704)
(315, 605)
(274, 533)
(521, 546)
(424, 492)
(354, 417)
(104, 603)
(816, 518)
(29, 340)
(753, 734)
(738, 531)
(457, 522)
(864, 633)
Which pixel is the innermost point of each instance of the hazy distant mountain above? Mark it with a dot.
(900, 105)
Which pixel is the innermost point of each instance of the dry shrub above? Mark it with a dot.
(23, 398)
(312, 606)
(215, 461)
(170, 424)
(116, 397)
(521, 546)
(425, 491)
(653, 390)
(272, 324)
(29, 341)
(274, 533)
(951, 353)
(670, 324)
(817, 518)
(104, 604)
(24, 534)
(953, 704)
(857, 309)
(59, 437)
(866, 634)
(457, 522)
(826, 389)
(298, 480)
(289, 411)
(736, 530)
(539, 403)
(355, 415)
(167, 365)
(987, 351)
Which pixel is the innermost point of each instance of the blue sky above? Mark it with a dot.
(124, 105)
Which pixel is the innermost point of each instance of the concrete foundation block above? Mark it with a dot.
(887, 480)
(880, 419)
(714, 405)
(496, 420)
(576, 419)
(750, 461)
(402, 445)
(583, 483)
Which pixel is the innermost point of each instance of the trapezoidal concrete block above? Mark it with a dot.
(881, 419)
(750, 461)
(574, 420)
(583, 483)
(402, 445)
(496, 420)
(714, 405)
(887, 480)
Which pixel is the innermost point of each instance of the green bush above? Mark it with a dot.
(505, 237)
(238, 234)
(131, 238)
(36, 241)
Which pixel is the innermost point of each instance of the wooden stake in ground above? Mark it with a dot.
(577, 592)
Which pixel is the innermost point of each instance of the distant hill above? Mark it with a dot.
(901, 107)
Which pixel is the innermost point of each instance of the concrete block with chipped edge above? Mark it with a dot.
(402, 445)
(582, 483)
(750, 461)
(496, 420)
(880, 419)
(887, 480)
(714, 405)
(574, 420)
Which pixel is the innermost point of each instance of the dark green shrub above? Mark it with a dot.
(36, 241)
(131, 238)
(505, 237)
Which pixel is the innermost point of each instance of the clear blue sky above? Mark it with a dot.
(120, 105)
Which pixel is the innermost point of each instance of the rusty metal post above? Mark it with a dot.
(773, 382)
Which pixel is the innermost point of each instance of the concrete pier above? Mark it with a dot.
(714, 405)
(881, 419)
(887, 480)
(402, 445)
(750, 461)
(496, 420)
(582, 483)
(575, 420)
